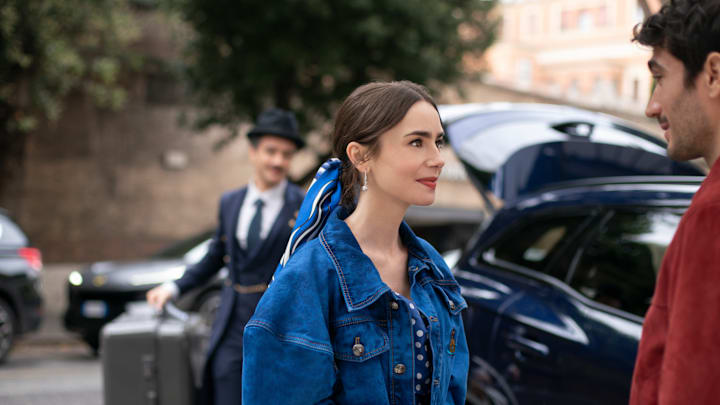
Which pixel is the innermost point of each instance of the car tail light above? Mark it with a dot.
(32, 256)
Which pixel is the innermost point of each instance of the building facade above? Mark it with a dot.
(574, 50)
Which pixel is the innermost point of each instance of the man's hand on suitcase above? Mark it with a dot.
(158, 296)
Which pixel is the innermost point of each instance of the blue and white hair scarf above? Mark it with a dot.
(321, 199)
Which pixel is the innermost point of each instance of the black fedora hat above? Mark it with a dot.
(277, 122)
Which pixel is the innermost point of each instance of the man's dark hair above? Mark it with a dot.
(688, 29)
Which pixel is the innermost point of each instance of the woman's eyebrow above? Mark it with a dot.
(424, 134)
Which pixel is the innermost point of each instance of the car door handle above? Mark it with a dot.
(528, 346)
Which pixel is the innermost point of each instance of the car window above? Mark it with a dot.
(535, 243)
(10, 234)
(446, 236)
(619, 266)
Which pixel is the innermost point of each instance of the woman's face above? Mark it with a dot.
(408, 163)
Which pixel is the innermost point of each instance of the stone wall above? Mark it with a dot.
(110, 185)
(111, 196)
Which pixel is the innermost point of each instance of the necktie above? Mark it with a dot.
(253, 236)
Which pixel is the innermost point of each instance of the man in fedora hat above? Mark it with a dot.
(254, 226)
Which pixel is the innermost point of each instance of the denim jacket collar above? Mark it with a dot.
(359, 279)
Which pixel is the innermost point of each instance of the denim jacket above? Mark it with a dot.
(329, 331)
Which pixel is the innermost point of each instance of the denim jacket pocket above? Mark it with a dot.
(358, 339)
(450, 292)
(359, 346)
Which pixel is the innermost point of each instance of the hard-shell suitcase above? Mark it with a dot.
(152, 359)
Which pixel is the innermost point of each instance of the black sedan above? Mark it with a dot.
(104, 290)
(21, 304)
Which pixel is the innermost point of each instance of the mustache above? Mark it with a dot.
(662, 120)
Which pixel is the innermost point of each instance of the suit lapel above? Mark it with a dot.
(234, 216)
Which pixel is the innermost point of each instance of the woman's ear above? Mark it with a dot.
(357, 153)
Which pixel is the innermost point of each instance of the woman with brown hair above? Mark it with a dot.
(361, 310)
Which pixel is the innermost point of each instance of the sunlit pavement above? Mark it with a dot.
(51, 374)
(51, 366)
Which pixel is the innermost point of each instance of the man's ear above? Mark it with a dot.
(357, 153)
(712, 70)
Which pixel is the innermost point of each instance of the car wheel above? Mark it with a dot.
(487, 387)
(207, 306)
(7, 329)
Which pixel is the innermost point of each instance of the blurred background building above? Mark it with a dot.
(574, 50)
(100, 184)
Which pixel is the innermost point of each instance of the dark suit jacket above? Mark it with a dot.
(245, 268)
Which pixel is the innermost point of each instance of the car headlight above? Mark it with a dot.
(75, 278)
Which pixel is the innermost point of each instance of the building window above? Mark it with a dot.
(636, 90)
(566, 20)
(573, 90)
(532, 24)
(604, 91)
(601, 16)
(523, 71)
(585, 21)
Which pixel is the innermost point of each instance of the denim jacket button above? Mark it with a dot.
(399, 368)
(394, 305)
(358, 349)
(452, 304)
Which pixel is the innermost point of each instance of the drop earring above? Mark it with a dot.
(364, 186)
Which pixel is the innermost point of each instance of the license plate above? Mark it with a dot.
(94, 309)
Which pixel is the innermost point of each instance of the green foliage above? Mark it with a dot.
(49, 48)
(309, 54)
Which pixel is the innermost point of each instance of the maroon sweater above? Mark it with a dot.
(679, 355)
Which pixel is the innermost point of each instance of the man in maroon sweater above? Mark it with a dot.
(679, 355)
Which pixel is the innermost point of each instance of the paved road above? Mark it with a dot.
(51, 374)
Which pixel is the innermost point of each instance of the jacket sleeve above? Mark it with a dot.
(284, 369)
(691, 362)
(287, 354)
(211, 263)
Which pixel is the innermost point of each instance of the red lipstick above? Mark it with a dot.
(430, 182)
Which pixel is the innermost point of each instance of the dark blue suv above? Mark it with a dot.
(560, 276)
